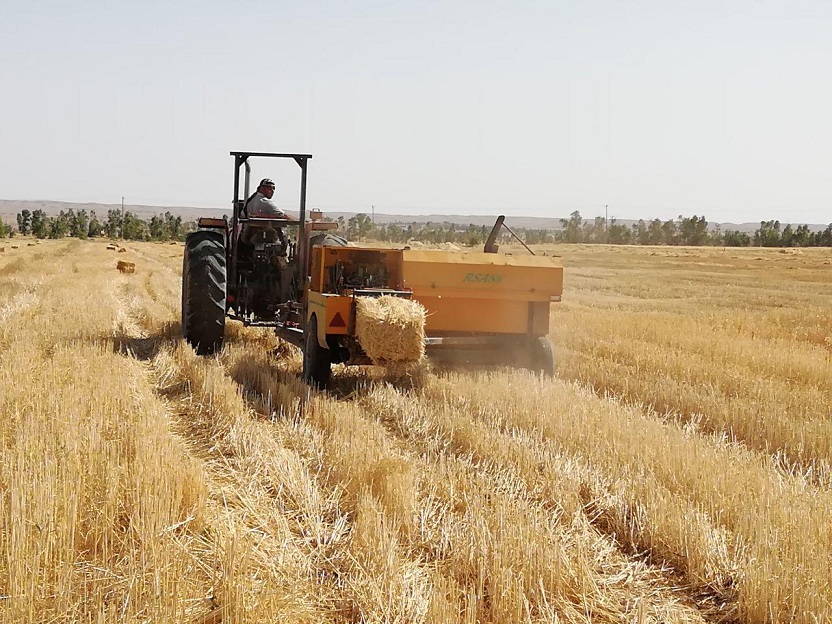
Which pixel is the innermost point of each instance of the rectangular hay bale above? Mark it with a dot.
(390, 329)
(126, 267)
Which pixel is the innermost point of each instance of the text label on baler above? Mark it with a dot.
(483, 278)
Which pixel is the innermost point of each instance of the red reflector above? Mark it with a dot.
(337, 321)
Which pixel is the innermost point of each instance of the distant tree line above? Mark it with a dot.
(83, 224)
(692, 230)
(689, 231)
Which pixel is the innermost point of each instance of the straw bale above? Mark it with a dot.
(390, 329)
(126, 267)
(111, 247)
(122, 250)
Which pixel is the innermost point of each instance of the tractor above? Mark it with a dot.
(483, 307)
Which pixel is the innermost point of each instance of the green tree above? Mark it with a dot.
(158, 228)
(24, 222)
(824, 238)
(79, 224)
(768, 234)
(395, 233)
(802, 236)
(450, 233)
(134, 228)
(641, 235)
(174, 226)
(572, 228)
(538, 237)
(619, 234)
(595, 232)
(787, 237)
(655, 234)
(95, 228)
(59, 226)
(473, 235)
(735, 238)
(359, 226)
(692, 230)
(670, 232)
(40, 224)
(114, 223)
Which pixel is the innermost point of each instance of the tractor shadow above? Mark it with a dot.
(351, 383)
(284, 368)
(145, 348)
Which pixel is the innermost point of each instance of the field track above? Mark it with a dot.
(678, 470)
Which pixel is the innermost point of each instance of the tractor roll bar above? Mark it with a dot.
(240, 159)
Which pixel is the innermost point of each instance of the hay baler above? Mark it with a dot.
(482, 307)
(486, 308)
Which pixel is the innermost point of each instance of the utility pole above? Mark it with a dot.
(122, 217)
(607, 221)
(373, 213)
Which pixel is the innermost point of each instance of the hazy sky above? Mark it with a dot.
(528, 108)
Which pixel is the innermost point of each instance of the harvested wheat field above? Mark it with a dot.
(678, 470)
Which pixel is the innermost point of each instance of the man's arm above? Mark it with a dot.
(274, 211)
(265, 208)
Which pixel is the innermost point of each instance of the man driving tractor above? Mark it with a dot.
(261, 206)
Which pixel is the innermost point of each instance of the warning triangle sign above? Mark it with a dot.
(337, 321)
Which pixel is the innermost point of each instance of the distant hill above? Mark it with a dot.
(10, 208)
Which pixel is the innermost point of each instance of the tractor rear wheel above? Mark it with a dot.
(203, 291)
(317, 364)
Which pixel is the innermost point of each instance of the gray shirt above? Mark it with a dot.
(261, 207)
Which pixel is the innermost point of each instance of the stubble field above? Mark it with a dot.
(679, 469)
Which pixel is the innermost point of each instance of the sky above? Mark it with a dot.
(651, 109)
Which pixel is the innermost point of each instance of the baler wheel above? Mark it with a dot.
(316, 359)
(543, 357)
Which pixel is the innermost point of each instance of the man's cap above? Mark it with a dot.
(266, 182)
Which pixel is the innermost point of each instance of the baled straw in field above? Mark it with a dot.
(390, 329)
(126, 267)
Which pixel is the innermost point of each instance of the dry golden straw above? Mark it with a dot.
(681, 473)
(390, 329)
